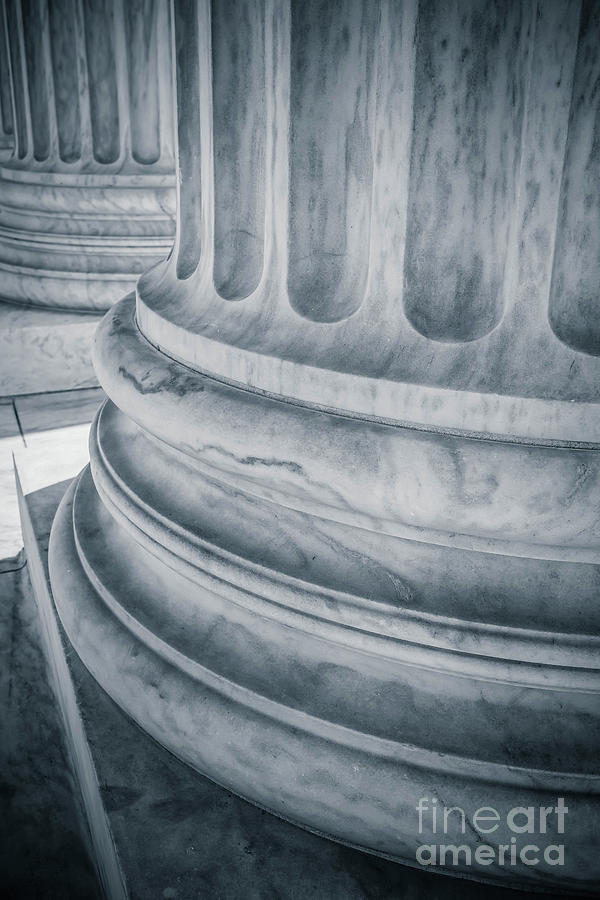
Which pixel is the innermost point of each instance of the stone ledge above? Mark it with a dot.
(44, 350)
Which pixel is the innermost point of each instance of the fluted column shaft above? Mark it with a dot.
(340, 527)
(414, 205)
(87, 198)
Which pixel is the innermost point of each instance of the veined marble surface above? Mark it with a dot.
(44, 350)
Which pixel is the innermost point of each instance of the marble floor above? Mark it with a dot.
(40, 421)
(42, 853)
(11, 439)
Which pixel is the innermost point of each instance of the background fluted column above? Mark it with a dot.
(87, 198)
(6, 114)
(338, 546)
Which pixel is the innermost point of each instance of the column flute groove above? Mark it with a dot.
(7, 134)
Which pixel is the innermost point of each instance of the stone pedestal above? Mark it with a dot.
(338, 545)
(87, 198)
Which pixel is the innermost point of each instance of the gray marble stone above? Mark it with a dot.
(41, 427)
(338, 546)
(315, 610)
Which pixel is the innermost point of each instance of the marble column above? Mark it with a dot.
(6, 114)
(338, 547)
(87, 199)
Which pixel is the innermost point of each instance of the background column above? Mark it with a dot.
(87, 198)
(6, 113)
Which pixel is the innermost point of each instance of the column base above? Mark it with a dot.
(161, 830)
(236, 573)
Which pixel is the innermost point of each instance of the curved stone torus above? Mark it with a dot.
(87, 199)
(335, 555)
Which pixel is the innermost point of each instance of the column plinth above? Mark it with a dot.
(87, 198)
(337, 547)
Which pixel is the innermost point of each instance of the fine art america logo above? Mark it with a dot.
(521, 823)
